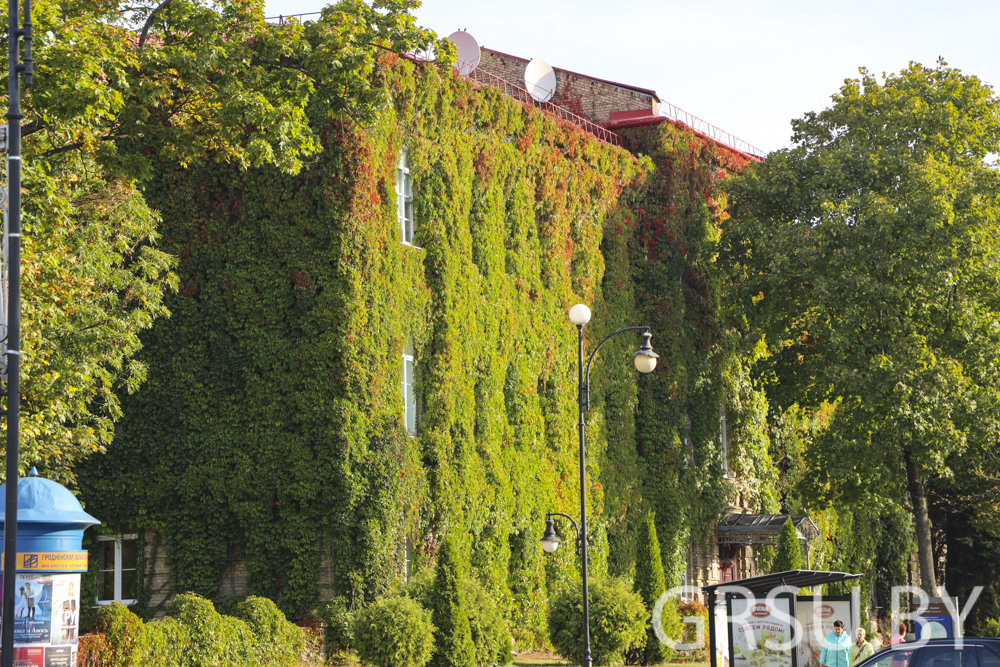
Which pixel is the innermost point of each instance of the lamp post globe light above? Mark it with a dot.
(645, 362)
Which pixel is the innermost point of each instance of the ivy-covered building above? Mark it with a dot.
(375, 353)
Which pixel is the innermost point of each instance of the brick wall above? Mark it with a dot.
(157, 574)
(593, 99)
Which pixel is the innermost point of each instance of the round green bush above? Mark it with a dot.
(394, 632)
(122, 632)
(208, 629)
(279, 642)
(164, 644)
(617, 621)
(338, 622)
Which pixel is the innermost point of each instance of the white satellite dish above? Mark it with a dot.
(468, 51)
(540, 80)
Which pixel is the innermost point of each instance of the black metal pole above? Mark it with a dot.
(14, 116)
(581, 397)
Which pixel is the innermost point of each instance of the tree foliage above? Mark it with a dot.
(618, 621)
(120, 89)
(867, 258)
(453, 645)
(789, 556)
(650, 583)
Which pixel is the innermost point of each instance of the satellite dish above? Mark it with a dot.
(468, 51)
(540, 80)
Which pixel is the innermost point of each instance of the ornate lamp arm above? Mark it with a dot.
(594, 353)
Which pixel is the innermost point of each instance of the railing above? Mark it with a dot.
(280, 19)
(521, 95)
(668, 110)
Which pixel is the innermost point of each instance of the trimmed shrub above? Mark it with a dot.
(617, 621)
(490, 633)
(489, 629)
(789, 556)
(394, 632)
(213, 636)
(338, 622)
(278, 642)
(122, 632)
(92, 650)
(690, 631)
(650, 584)
(195, 635)
(453, 645)
(164, 644)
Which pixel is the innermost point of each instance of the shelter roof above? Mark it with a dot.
(763, 528)
(795, 578)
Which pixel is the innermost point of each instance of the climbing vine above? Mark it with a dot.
(270, 429)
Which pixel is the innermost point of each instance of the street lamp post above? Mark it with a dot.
(645, 362)
(11, 347)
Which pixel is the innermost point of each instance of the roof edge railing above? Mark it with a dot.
(668, 110)
(509, 89)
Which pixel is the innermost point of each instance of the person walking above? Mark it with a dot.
(836, 647)
(899, 638)
(861, 649)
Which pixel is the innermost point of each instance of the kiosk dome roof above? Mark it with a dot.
(41, 500)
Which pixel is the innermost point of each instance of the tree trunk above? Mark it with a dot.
(925, 548)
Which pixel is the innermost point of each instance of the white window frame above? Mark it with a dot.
(724, 439)
(117, 539)
(407, 559)
(404, 199)
(410, 417)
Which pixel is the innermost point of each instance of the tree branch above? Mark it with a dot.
(149, 21)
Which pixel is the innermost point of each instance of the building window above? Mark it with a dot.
(408, 560)
(409, 391)
(117, 568)
(724, 438)
(689, 442)
(404, 199)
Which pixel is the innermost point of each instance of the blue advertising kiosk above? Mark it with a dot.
(50, 559)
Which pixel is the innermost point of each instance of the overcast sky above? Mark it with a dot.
(747, 66)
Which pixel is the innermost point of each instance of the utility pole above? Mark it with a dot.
(12, 248)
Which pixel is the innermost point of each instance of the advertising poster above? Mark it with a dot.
(935, 622)
(721, 635)
(29, 656)
(33, 609)
(46, 619)
(816, 616)
(757, 641)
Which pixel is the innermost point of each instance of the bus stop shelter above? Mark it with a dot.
(750, 620)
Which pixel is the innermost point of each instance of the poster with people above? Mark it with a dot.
(762, 632)
(816, 617)
(46, 619)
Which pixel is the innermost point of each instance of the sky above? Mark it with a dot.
(749, 67)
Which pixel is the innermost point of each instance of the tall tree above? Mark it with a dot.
(867, 257)
(449, 612)
(650, 582)
(119, 89)
(789, 556)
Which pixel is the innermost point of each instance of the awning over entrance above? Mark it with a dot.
(762, 585)
(754, 529)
